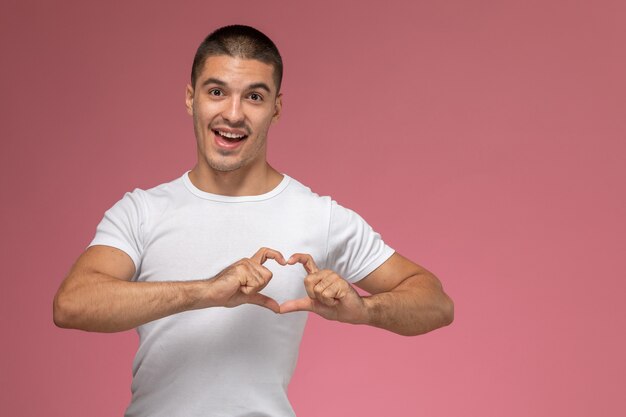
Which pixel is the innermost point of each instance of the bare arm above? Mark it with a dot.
(97, 294)
(406, 298)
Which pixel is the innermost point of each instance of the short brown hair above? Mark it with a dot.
(241, 42)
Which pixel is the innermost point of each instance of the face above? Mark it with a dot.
(233, 104)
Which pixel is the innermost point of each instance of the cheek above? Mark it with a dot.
(201, 128)
(263, 123)
(205, 112)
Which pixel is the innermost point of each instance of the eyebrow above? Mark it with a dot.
(213, 81)
(221, 83)
(257, 86)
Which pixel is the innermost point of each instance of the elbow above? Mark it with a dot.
(440, 315)
(447, 311)
(62, 312)
(59, 314)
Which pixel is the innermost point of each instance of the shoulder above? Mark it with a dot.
(146, 203)
(161, 193)
(310, 200)
(303, 195)
(297, 188)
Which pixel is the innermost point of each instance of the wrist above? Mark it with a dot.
(198, 294)
(367, 311)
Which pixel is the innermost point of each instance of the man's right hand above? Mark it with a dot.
(98, 294)
(241, 282)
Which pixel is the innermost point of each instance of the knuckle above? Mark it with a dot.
(328, 301)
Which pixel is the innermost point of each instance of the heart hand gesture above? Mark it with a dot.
(241, 282)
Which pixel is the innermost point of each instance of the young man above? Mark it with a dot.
(217, 268)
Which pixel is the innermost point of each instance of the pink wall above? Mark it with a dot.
(483, 139)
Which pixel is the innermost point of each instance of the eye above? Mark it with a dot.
(216, 92)
(256, 97)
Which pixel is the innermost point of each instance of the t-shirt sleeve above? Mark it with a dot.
(354, 248)
(121, 227)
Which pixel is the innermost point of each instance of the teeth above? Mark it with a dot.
(230, 135)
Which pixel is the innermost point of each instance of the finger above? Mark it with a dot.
(300, 304)
(306, 260)
(253, 277)
(263, 274)
(264, 301)
(323, 280)
(311, 281)
(264, 254)
(332, 294)
(263, 278)
(257, 280)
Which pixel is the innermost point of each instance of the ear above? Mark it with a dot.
(278, 107)
(189, 99)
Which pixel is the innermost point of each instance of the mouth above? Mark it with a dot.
(231, 137)
(229, 140)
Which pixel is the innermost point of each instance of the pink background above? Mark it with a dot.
(483, 139)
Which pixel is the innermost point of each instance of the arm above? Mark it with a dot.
(97, 294)
(405, 298)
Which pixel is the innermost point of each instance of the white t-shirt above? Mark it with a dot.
(229, 361)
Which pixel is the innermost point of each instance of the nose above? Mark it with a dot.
(233, 112)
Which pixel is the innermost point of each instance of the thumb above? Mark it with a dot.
(264, 301)
(300, 304)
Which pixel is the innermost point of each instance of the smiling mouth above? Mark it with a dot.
(229, 136)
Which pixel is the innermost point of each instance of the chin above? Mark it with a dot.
(223, 166)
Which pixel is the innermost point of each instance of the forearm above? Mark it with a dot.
(418, 305)
(102, 303)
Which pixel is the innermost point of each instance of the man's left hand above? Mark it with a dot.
(329, 295)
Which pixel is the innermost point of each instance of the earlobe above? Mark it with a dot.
(189, 99)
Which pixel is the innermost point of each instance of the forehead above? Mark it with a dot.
(237, 72)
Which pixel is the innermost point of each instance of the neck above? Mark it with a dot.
(240, 182)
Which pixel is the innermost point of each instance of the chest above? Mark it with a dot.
(197, 243)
